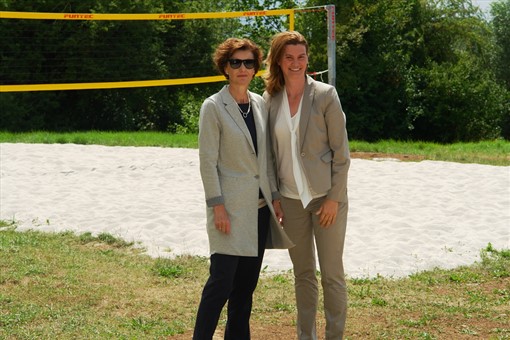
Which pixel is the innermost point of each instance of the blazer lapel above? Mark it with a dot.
(306, 109)
(275, 104)
(274, 107)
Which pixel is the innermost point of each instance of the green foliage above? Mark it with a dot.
(167, 268)
(453, 95)
(471, 113)
(500, 11)
(112, 240)
(7, 224)
(496, 262)
(419, 70)
(107, 238)
(278, 278)
(432, 70)
(375, 49)
(190, 114)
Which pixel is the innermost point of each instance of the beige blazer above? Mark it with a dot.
(232, 174)
(323, 143)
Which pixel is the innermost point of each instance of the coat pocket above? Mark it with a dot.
(327, 157)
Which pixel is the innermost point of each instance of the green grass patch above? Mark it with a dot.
(495, 152)
(68, 286)
(146, 138)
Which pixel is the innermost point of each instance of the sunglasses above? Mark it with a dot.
(236, 63)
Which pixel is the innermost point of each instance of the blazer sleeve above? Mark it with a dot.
(338, 142)
(208, 146)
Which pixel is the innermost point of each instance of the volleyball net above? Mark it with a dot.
(329, 10)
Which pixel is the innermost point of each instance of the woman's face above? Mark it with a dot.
(293, 62)
(237, 70)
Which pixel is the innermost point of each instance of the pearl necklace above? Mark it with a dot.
(245, 114)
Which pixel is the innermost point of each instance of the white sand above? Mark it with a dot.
(404, 216)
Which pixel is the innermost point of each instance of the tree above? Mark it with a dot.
(377, 42)
(416, 70)
(452, 95)
(501, 26)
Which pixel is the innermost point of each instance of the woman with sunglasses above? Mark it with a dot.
(239, 185)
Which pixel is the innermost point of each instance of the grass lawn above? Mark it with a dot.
(68, 286)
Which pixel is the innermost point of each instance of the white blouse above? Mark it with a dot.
(293, 182)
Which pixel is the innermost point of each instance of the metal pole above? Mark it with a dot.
(331, 45)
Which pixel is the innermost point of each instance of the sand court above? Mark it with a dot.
(404, 217)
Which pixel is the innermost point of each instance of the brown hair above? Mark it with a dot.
(227, 48)
(274, 77)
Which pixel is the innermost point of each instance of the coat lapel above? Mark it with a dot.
(260, 126)
(233, 111)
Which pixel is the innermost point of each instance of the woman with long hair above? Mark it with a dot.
(311, 150)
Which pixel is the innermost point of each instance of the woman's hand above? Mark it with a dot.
(327, 212)
(278, 211)
(221, 220)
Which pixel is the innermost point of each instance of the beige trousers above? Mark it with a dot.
(302, 227)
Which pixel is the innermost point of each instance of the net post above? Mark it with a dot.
(291, 20)
(331, 45)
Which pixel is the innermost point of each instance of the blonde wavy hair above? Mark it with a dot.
(273, 77)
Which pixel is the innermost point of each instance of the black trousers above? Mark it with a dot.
(232, 279)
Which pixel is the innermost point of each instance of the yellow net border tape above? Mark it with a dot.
(112, 85)
(130, 84)
(153, 16)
